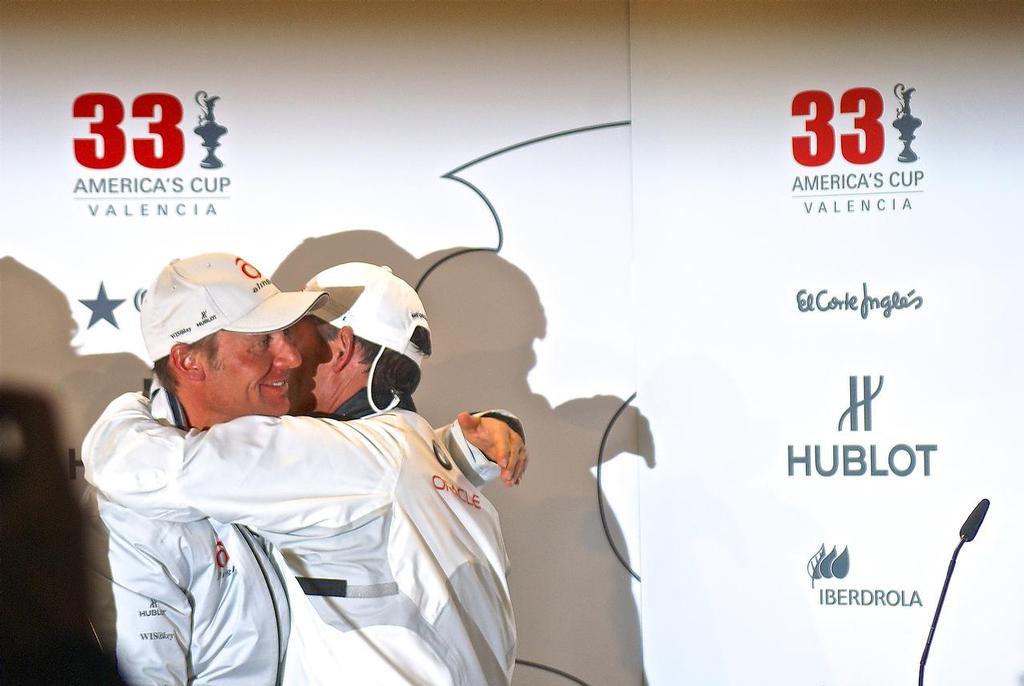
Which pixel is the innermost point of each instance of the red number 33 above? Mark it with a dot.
(819, 147)
(106, 148)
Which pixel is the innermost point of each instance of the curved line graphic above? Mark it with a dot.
(538, 139)
(537, 665)
(497, 221)
(452, 175)
(600, 493)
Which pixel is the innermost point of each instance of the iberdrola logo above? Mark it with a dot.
(828, 566)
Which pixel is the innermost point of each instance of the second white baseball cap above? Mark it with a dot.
(196, 296)
(379, 306)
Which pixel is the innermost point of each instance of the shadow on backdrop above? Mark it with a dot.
(36, 330)
(36, 352)
(573, 600)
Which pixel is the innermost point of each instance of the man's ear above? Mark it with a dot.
(187, 363)
(344, 348)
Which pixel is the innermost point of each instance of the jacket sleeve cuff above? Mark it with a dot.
(513, 421)
(470, 461)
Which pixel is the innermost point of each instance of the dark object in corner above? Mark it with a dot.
(45, 637)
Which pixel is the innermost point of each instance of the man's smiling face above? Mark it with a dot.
(248, 374)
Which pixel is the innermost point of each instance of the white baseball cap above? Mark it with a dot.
(379, 306)
(196, 296)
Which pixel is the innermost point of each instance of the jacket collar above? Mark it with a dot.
(165, 405)
(358, 406)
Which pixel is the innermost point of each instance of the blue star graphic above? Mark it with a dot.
(102, 308)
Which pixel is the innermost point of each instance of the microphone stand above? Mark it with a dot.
(938, 609)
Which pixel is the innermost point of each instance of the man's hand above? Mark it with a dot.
(496, 439)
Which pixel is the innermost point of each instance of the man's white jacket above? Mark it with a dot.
(398, 568)
(185, 602)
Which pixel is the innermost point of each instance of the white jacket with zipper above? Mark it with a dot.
(397, 568)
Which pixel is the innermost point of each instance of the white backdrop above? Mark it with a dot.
(659, 245)
(341, 120)
(733, 373)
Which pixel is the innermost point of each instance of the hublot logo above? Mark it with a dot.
(205, 319)
(154, 610)
(902, 459)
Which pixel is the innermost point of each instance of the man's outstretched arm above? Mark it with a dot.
(250, 467)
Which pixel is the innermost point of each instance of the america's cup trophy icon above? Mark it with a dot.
(906, 123)
(209, 130)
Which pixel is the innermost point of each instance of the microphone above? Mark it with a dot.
(970, 528)
(967, 533)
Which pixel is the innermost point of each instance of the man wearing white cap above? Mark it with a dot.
(204, 600)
